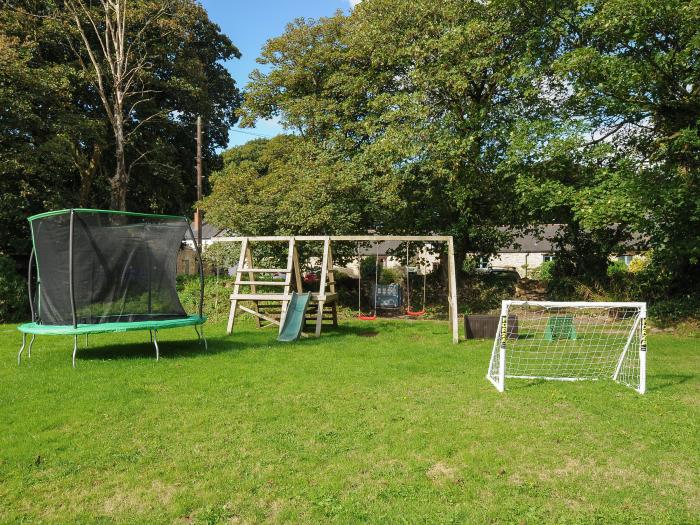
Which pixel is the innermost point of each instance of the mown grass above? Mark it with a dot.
(401, 427)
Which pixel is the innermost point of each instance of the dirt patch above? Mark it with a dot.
(121, 502)
(164, 492)
(440, 473)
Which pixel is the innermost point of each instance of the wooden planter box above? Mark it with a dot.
(486, 326)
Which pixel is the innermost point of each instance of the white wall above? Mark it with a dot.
(428, 263)
(519, 261)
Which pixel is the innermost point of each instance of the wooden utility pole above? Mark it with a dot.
(198, 213)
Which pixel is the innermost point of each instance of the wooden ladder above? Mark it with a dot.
(246, 268)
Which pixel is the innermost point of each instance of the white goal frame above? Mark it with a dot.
(622, 363)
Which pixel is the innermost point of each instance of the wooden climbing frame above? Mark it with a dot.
(325, 300)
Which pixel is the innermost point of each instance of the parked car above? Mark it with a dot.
(509, 271)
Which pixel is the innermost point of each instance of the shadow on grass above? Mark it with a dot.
(191, 348)
(668, 380)
(661, 381)
(520, 384)
(368, 329)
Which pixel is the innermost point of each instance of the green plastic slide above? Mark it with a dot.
(294, 320)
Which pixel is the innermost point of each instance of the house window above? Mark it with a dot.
(482, 262)
(548, 257)
(627, 259)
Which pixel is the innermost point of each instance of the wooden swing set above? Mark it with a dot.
(271, 307)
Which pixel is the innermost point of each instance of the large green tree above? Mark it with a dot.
(284, 186)
(56, 136)
(625, 150)
(420, 100)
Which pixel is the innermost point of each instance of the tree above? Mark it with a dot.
(625, 148)
(56, 140)
(115, 38)
(36, 115)
(283, 186)
(420, 100)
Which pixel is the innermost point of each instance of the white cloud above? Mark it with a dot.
(353, 3)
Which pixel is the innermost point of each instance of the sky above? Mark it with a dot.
(249, 24)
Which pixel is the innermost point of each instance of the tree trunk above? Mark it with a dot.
(87, 175)
(120, 181)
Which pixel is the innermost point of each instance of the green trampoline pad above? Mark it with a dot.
(102, 328)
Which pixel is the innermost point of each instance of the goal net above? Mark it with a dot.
(570, 341)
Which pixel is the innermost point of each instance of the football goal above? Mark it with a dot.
(570, 341)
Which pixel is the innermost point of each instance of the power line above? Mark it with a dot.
(252, 133)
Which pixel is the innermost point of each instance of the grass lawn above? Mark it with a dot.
(401, 427)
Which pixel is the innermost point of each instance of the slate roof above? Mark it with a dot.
(540, 242)
(209, 231)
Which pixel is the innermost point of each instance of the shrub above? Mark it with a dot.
(617, 270)
(469, 266)
(483, 293)
(544, 272)
(346, 287)
(638, 264)
(216, 295)
(368, 266)
(671, 311)
(391, 276)
(14, 305)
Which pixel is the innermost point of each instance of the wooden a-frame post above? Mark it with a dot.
(452, 291)
(237, 285)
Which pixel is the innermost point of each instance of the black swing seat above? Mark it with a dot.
(389, 296)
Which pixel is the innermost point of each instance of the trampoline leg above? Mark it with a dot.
(155, 343)
(75, 348)
(200, 337)
(87, 340)
(29, 350)
(150, 335)
(24, 342)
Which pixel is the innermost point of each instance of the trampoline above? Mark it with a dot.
(102, 271)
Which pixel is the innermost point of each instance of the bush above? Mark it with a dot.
(671, 311)
(216, 295)
(14, 305)
(391, 276)
(346, 287)
(544, 272)
(469, 265)
(483, 293)
(638, 264)
(368, 267)
(617, 270)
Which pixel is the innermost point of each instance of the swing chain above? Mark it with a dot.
(360, 315)
(408, 286)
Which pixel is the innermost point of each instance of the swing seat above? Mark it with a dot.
(362, 317)
(419, 313)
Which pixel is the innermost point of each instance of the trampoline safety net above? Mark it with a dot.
(123, 266)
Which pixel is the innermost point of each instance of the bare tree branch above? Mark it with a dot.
(118, 69)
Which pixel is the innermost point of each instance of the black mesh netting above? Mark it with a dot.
(124, 267)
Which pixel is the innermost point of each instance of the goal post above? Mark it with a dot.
(570, 341)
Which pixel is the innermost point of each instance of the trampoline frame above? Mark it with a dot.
(36, 328)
